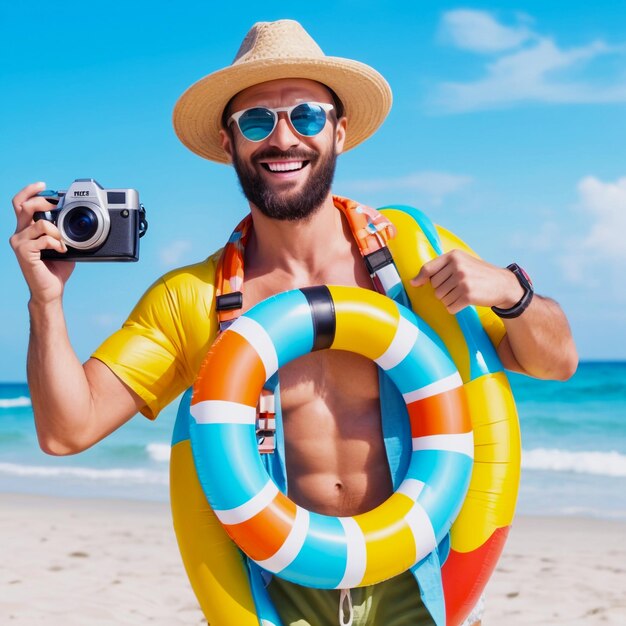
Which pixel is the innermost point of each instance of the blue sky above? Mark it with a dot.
(508, 127)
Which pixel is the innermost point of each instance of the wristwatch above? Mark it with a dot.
(527, 285)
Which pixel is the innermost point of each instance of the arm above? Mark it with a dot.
(74, 405)
(538, 343)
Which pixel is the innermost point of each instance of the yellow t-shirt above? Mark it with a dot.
(159, 349)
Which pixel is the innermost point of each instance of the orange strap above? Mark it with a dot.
(370, 229)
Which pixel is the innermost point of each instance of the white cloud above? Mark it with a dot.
(599, 256)
(478, 31)
(435, 185)
(537, 71)
(174, 252)
(606, 205)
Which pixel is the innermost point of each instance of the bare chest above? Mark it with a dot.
(334, 448)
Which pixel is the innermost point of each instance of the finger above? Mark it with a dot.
(47, 242)
(443, 276)
(22, 241)
(24, 210)
(456, 300)
(445, 287)
(429, 269)
(29, 251)
(420, 279)
(28, 192)
(44, 227)
(37, 229)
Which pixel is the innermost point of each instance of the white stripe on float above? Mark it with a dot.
(258, 338)
(463, 443)
(422, 530)
(389, 277)
(292, 546)
(400, 346)
(411, 487)
(252, 507)
(439, 386)
(223, 412)
(356, 560)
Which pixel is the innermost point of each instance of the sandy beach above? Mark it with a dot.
(95, 562)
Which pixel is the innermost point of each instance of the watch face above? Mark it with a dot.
(517, 309)
(526, 276)
(521, 274)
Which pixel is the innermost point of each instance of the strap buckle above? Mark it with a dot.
(266, 422)
(229, 301)
(384, 273)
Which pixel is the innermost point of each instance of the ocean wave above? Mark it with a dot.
(159, 452)
(10, 403)
(581, 462)
(90, 473)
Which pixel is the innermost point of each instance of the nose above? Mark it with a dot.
(284, 136)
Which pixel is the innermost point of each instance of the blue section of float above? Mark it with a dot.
(181, 426)
(427, 362)
(446, 476)
(227, 462)
(321, 562)
(286, 317)
(483, 356)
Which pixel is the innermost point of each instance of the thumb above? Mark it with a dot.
(421, 278)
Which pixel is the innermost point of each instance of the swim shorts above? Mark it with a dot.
(393, 602)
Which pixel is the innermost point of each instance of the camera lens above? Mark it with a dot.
(81, 223)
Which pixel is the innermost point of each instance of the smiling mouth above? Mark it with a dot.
(284, 166)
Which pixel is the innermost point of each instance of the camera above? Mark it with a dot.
(96, 224)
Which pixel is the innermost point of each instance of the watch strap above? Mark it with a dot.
(518, 308)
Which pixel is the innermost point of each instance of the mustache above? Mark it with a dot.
(297, 154)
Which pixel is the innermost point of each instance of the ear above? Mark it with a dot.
(340, 134)
(227, 143)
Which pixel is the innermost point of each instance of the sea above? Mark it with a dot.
(573, 449)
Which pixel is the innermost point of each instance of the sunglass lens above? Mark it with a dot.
(256, 124)
(308, 119)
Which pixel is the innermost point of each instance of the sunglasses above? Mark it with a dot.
(258, 123)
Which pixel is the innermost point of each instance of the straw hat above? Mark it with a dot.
(273, 50)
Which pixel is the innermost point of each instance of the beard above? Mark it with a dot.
(287, 205)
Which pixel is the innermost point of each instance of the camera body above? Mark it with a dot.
(96, 224)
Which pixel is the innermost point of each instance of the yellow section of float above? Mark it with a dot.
(393, 548)
(215, 566)
(356, 319)
(213, 563)
(492, 494)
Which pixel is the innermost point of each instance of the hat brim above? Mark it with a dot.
(365, 94)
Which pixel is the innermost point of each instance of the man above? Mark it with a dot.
(281, 113)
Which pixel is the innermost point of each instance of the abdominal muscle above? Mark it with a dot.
(334, 449)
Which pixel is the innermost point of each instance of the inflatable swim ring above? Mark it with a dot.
(283, 538)
(218, 572)
(479, 533)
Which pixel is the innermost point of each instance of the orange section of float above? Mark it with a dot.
(245, 364)
(465, 575)
(432, 415)
(253, 536)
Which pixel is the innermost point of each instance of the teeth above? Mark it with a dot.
(285, 166)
